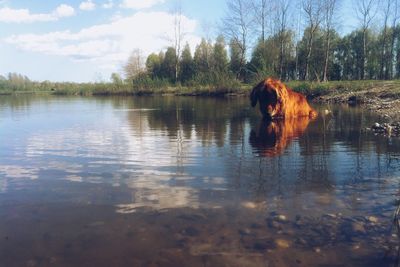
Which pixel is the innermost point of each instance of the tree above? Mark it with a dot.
(153, 65)
(220, 56)
(282, 17)
(168, 65)
(312, 10)
(264, 59)
(135, 65)
(236, 62)
(116, 78)
(178, 37)
(262, 9)
(18, 81)
(202, 57)
(366, 11)
(186, 65)
(329, 10)
(311, 62)
(236, 27)
(386, 7)
(395, 17)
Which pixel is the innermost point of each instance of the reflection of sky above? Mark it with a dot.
(96, 145)
(88, 141)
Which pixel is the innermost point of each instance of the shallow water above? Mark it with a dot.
(180, 181)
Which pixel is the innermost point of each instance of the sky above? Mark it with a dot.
(87, 40)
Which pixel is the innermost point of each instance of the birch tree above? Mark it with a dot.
(282, 19)
(135, 64)
(366, 11)
(236, 26)
(178, 37)
(329, 10)
(312, 10)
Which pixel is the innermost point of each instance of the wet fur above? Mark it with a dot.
(277, 101)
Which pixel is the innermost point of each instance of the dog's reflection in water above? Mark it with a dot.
(272, 137)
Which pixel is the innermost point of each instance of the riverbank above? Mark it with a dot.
(383, 97)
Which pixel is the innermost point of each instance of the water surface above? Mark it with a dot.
(181, 181)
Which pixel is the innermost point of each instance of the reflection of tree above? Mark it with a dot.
(21, 101)
(309, 156)
(208, 118)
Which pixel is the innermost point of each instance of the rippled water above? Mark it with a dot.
(175, 181)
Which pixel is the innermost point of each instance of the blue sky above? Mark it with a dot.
(87, 40)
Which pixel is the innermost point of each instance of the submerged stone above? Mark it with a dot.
(372, 219)
(358, 228)
(282, 243)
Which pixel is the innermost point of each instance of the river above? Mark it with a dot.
(185, 181)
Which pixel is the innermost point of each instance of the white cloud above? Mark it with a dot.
(22, 15)
(140, 4)
(64, 11)
(109, 44)
(87, 5)
(108, 5)
(10, 15)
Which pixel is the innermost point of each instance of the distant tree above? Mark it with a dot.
(178, 37)
(220, 56)
(153, 65)
(116, 78)
(374, 56)
(203, 57)
(187, 68)
(394, 33)
(329, 11)
(168, 67)
(366, 11)
(311, 64)
(18, 81)
(264, 59)
(262, 10)
(267, 58)
(397, 52)
(282, 16)
(341, 55)
(312, 10)
(236, 26)
(236, 63)
(135, 65)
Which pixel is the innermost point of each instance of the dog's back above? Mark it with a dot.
(297, 105)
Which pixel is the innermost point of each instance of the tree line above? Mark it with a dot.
(290, 40)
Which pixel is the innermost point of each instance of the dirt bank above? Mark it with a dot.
(383, 99)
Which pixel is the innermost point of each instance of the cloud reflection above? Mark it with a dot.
(13, 171)
(135, 156)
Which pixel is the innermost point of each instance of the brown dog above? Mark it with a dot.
(272, 137)
(278, 101)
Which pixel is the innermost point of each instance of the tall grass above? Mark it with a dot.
(198, 86)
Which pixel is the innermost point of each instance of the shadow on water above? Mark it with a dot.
(180, 181)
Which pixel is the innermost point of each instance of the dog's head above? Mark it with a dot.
(270, 94)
